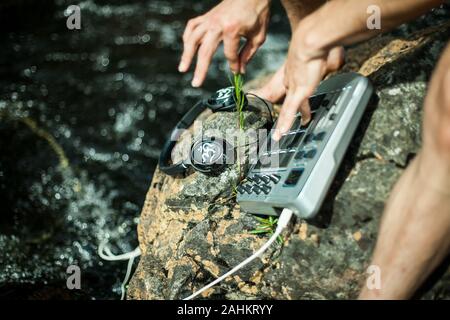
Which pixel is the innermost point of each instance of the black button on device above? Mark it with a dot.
(275, 178)
(265, 179)
(249, 179)
(257, 189)
(299, 155)
(265, 189)
(320, 136)
(325, 102)
(332, 116)
(310, 153)
(293, 177)
(256, 179)
(308, 138)
(247, 188)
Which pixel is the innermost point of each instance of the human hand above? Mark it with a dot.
(274, 89)
(303, 71)
(228, 22)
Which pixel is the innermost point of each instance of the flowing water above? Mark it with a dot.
(83, 115)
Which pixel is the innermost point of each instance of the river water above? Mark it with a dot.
(83, 115)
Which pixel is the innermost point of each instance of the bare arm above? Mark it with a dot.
(274, 90)
(344, 22)
(296, 10)
(338, 22)
(414, 234)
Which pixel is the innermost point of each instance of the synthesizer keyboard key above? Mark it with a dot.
(265, 179)
(275, 178)
(266, 189)
(293, 177)
(257, 189)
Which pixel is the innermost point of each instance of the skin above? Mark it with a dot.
(274, 90)
(227, 22)
(413, 237)
(297, 10)
(318, 33)
(415, 228)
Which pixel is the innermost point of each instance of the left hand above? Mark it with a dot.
(227, 22)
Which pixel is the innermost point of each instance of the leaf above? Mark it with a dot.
(258, 231)
(280, 240)
(264, 226)
(272, 221)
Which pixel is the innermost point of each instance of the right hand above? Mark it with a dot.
(304, 69)
(228, 22)
(275, 91)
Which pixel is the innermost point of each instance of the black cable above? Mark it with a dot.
(265, 103)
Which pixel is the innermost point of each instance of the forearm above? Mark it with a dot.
(344, 22)
(413, 237)
(296, 10)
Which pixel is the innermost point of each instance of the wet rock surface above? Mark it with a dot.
(188, 241)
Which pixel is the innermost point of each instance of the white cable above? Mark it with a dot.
(125, 280)
(283, 221)
(105, 253)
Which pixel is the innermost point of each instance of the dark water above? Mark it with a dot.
(83, 115)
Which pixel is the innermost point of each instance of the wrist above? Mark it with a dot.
(315, 32)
